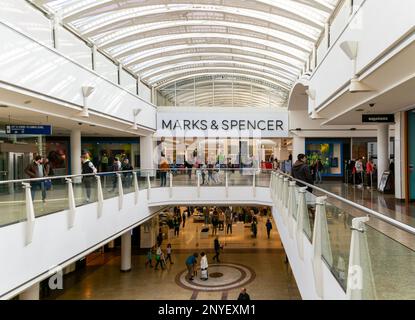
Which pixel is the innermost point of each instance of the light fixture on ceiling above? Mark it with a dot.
(135, 114)
(350, 48)
(86, 92)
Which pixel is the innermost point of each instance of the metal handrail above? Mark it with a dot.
(125, 171)
(370, 212)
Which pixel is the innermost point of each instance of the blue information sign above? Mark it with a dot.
(29, 129)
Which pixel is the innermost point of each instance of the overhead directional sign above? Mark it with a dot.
(29, 129)
(378, 118)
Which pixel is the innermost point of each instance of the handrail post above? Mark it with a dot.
(136, 187)
(120, 192)
(321, 245)
(360, 281)
(148, 185)
(285, 194)
(71, 203)
(100, 196)
(171, 184)
(292, 207)
(30, 213)
(254, 183)
(198, 185)
(302, 221)
(226, 184)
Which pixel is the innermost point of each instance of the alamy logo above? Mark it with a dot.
(56, 278)
(355, 280)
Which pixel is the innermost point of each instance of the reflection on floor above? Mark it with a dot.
(257, 264)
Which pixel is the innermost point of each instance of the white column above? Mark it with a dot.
(400, 156)
(31, 293)
(76, 167)
(298, 146)
(383, 149)
(126, 251)
(148, 156)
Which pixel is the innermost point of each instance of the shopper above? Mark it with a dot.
(176, 224)
(359, 171)
(244, 295)
(158, 259)
(184, 218)
(87, 168)
(164, 168)
(229, 221)
(128, 175)
(204, 267)
(104, 162)
(254, 228)
(35, 170)
(369, 173)
(268, 225)
(217, 246)
(301, 171)
(116, 166)
(149, 260)
(215, 222)
(190, 264)
(168, 250)
(318, 168)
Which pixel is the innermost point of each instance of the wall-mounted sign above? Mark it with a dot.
(29, 129)
(378, 118)
(220, 123)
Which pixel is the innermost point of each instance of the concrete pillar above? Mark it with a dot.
(126, 251)
(148, 156)
(383, 149)
(76, 167)
(31, 293)
(298, 146)
(400, 160)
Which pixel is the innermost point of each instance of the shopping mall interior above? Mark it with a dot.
(140, 140)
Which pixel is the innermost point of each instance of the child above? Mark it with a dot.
(169, 253)
(149, 258)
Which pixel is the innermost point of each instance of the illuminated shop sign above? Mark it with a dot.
(222, 124)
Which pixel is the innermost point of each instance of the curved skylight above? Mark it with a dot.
(256, 41)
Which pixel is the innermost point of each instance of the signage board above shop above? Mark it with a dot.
(29, 129)
(378, 118)
(217, 122)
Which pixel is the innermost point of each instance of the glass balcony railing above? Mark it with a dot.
(54, 194)
(366, 252)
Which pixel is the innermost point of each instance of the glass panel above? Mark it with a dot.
(109, 185)
(127, 182)
(311, 206)
(86, 191)
(12, 203)
(49, 196)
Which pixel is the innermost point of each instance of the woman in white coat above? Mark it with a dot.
(203, 266)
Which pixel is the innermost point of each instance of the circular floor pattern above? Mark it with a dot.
(222, 276)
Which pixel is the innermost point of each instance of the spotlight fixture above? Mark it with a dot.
(86, 92)
(135, 114)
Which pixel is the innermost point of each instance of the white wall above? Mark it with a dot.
(105, 67)
(376, 26)
(144, 92)
(128, 81)
(31, 65)
(27, 19)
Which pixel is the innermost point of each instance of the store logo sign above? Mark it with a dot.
(223, 124)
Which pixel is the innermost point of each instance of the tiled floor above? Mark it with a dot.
(270, 279)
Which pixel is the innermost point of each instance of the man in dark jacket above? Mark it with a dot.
(301, 171)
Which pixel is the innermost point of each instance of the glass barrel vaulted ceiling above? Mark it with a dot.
(204, 52)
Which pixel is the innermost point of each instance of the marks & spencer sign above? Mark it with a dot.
(217, 123)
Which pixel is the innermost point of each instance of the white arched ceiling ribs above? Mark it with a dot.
(162, 79)
(123, 33)
(73, 9)
(153, 53)
(93, 19)
(200, 57)
(123, 50)
(166, 70)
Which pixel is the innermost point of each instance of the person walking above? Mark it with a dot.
(369, 172)
(87, 168)
(104, 162)
(116, 166)
(229, 221)
(254, 228)
(158, 259)
(216, 245)
(168, 250)
(149, 260)
(128, 175)
(190, 264)
(301, 171)
(176, 224)
(359, 172)
(34, 170)
(184, 218)
(268, 225)
(318, 168)
(204, 267)
(244, 295)
(164, 168)
(215, 222)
